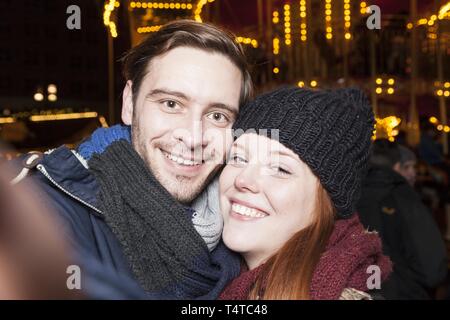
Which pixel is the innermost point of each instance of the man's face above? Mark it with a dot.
(407, 170)
(181, 121)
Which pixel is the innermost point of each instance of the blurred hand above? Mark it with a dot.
(33, 254)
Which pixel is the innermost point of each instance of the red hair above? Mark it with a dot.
(279, 280)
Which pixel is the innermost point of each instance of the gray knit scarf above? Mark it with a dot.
(155, 231)
(207, 218)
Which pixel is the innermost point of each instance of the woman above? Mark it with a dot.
(288, 198)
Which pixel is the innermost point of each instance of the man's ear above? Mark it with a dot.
(127, 104)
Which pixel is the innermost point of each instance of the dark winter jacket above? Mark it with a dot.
(410, 236)
(72, 191)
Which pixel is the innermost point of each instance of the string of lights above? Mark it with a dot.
(303, 21)
(249, 41)
(287, 25)
(328, 23)
(199, 8)
(347, 20)
(363, 8)
(439, 126)
(276, 46)
(161, 5)
(109, 8)
(148, 29)
(276, 40)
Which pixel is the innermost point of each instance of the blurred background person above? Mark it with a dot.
(407, 165)
(390, 206)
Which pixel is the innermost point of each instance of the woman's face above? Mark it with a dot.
(267, 194)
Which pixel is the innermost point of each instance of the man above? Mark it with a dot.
(406, 167)
(390, 206)
(124, 199)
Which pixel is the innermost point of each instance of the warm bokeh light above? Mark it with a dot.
(63, 116)
(38, 96)
(51, 88)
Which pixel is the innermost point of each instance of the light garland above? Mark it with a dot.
(275, 17)
(443, 13)
(109, 8)
(63, 116)
(148, 29)
(199, 8)
(56, 117)
(248, 41)
(363, 8)
(276, 40)
(303, 21)
(287, 25)
(347, 20)
(439, 127)
(312, 84)
(161, 5)
(276, 46)
(328, 26)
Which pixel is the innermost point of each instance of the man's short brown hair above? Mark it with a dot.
(186, 33)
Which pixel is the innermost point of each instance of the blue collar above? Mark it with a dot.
(102, 138)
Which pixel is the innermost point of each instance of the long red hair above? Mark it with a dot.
(287, 275)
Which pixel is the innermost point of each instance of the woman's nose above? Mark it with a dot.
(247, 179)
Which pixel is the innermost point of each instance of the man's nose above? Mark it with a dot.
(191, 135)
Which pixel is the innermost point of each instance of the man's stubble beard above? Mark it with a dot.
(179, 187)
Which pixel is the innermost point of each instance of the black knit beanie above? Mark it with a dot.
(329, 130)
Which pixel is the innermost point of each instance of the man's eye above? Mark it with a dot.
(218, 117)
(170, 104)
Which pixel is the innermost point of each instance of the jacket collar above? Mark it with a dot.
(68, 172)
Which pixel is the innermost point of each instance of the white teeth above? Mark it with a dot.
(188, 163)
(246, 211)
(180, 160)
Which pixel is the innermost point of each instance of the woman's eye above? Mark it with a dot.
(218, 117)
(237, 159)
(281, 171)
